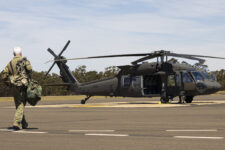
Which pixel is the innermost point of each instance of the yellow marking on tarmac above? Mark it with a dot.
(136, 104)
(90, 106)
(6, 99)
(109, 105)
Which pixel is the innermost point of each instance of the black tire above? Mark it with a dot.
(164, 100)
(188, 99)
(83, 101)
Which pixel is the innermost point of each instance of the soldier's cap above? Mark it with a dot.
(17, 50)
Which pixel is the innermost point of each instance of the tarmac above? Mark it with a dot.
(117, 124)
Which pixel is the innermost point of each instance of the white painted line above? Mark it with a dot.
(22, 131)
(29, 132)
(6, 130)
(199, 137)
(204, 130)
(85, 131)
(119, 135)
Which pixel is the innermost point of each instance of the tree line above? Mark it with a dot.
(81, 74)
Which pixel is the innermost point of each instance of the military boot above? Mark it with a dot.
(24, 124)
(16, 126)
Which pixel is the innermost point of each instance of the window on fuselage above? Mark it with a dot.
(186, 78)
(136, 81)
(126, 82)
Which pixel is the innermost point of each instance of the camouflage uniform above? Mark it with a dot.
(19, 92)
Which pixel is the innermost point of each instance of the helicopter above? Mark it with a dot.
(143, 79)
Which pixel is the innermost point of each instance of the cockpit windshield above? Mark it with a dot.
(206, 76)
(197, 76)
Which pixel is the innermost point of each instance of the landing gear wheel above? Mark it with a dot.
(83, 101)
(188, 99)
(164, 100)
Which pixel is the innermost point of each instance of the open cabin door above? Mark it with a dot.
(173, 83)
(152, 85)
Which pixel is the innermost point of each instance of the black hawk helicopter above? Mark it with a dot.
(141, 79)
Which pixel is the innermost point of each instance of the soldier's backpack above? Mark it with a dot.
(34, 91)
(20, 78)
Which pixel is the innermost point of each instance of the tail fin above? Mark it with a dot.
(65, 72)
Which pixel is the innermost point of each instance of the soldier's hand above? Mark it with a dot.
(7, 83)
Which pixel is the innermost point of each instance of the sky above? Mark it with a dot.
(106, 27)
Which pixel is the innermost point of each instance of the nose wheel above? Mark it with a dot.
(83, 101)
(188, 99)
(164, 99)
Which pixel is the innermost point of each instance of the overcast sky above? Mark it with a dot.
(105, 27)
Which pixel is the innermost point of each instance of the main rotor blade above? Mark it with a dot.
(106, 56)
(187, 57)
(202, 56)
(50, 69)
(144, 58)
(65, 47)
(51, 51)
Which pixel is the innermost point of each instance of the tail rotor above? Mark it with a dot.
(55, 56)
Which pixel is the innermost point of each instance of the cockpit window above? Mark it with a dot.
(186, 78)
(198, 76)
(206, 76)
(214, 77)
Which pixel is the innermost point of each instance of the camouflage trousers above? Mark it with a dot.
(20, 103)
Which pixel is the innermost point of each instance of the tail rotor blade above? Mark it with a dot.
(51, 52)
(50, 69)
(65, 47)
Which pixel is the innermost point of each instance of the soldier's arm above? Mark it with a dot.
(5, 74)
(28, 66)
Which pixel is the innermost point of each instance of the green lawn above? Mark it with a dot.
(49, 98)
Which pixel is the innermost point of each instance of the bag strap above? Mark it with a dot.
(11, 67)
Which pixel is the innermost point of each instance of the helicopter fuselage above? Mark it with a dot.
(153, 80)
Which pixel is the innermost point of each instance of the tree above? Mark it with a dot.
(185, 63)
(80, 73)
(173, 61)
(201, 66)
(111, 71)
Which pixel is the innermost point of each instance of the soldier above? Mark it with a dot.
(16, 74)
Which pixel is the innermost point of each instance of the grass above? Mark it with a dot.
(50, 98)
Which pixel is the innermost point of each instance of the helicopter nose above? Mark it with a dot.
(219, 86)
(215, 87)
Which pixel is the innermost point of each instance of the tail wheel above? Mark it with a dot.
(83, 101)
(188, 99)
